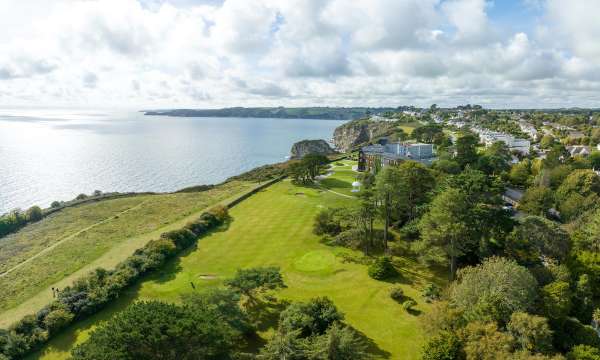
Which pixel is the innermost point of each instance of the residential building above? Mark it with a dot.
(374, 157)
(489, 137)
(580, 150)
(529, 129)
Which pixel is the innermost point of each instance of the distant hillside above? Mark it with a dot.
(327, 113)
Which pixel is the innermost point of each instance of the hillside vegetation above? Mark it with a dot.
(45, 254)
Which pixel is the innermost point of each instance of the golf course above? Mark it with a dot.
(274, 228)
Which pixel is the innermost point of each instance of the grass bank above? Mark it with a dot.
(67, 244)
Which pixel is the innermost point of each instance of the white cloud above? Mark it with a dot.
(160, 53)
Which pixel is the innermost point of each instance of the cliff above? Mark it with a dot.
(354, 133)
(305, 147)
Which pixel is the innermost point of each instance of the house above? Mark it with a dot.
(374, 157)
(528, 129)
(580, 150)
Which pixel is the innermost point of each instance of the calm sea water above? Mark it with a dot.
(48, 155)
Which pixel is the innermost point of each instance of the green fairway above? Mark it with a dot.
(73, 241)
(342, 177)
(274, 227)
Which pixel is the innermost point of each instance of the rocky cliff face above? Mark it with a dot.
(354, 133)
(305, 147)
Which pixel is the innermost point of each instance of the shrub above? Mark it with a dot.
(220, 212)
(55, 204)
(81, 197)
(397, 293)
(327, 222)
(382, 268)
(431, 292)
(408, 305)
(584, 352)
(445, 346)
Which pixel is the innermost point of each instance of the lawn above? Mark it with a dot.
(409, 127)
(274, 227)
(342, 178)
(73, 241)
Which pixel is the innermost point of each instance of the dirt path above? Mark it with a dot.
(67, 238)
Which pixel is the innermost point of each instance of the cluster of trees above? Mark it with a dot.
(558, 182)
(90, 293)
(306, 170)
(16, 219)
(221, 323)
(520, 289)
(314, 330)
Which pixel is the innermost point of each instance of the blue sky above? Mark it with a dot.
(214, 53)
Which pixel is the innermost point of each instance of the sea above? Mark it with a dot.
(56, 154)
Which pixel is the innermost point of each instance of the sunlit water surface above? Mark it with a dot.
(48, 155)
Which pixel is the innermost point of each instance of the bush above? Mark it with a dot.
(584, 352)
(408, 305)
(431, 292)
(382, 268)
(55, 204)
(397, 293)
(220, 212)
(81, 197)
(445, 346)
(327, 222)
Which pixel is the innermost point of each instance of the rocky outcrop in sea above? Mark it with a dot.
(305, 147)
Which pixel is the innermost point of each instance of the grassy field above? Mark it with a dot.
(342, 178)
(274, 227)
(409, 127)
(65, 245)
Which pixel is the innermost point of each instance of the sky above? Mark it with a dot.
(142, 54)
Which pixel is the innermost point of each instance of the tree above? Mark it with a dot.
(537, 200)
(494, 290)
(427, 133)
(34, 213)
(532, 333)
(365, 217)
(483, 341)
(416, 181)
(314, 163)
(466, 149)
(224, 303)
(578, 192)
(444, 230)
(496, 159)
(155, 330)
(309, 318)
(387, 190)
(547, 141)
(519, 173)
(594, 160)
(557, 155)
(536, 239)
(556, 299)
(338, 343)
(252, 281)
(284, 345)
(444, 346)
